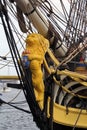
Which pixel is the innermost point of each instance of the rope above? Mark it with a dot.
(68, 91)
(77, 119)
(70, 74)
(22, 73)
(15, 96)
(10, 104)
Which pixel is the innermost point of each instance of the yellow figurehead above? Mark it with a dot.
(36, 48)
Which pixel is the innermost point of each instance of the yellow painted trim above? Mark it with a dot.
(9, 77)
(72, 74)
(80, 68)
(60, 116)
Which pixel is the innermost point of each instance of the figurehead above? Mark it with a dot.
(36, 48)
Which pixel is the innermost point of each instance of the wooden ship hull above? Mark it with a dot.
(64, 66)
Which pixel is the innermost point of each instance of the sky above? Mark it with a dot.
(4, 49)
(7, 66)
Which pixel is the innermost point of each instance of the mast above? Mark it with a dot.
(41, 23)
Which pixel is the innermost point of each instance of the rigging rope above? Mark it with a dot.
(15, 96)
(76, 23)
(77, 119)
(10, 104)
(20, 69)
(22, 73)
